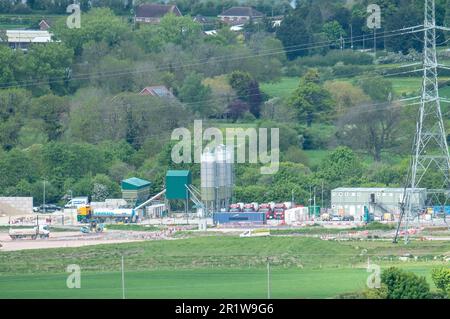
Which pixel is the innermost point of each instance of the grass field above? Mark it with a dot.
(401, 85)
(282, 88)
(196, 268)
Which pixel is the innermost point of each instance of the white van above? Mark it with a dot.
(77, 202)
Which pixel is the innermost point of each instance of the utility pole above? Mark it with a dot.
(430, 149)
(375, 42)
(123, 280)
(43, 198)
(314, 199)
(268, 278)
(351, 36)
(321, 202)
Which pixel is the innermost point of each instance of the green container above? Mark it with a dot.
(314, 211)
(135, 190)
(175, 184)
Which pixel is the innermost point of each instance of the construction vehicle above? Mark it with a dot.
(252, 207)
(267, 209)
(86, 214)
(94, 226)
(236, 208)
(41, 231)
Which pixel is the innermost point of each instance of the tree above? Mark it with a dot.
(247, 89)
(310, 98)
(13, 105)
(373, 128)
(441, 279)
(179, 30)
(49, 64)
(333, 31)
(99, 24)
(377, 88)
(294, 35)
(345, 95)
(52, 110)
(197, 95)
(404, 285)
(340, 167)
(237, 108)
(405, 14)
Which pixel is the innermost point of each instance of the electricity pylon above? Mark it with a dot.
(430, 149)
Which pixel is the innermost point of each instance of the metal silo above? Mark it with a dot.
(230, 173)
(208, 176)
(222, 171)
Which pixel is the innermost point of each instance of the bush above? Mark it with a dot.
(404, 285)
(347, 57)
(441, 278)
(342, 70)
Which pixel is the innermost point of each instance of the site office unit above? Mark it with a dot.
(378, 201)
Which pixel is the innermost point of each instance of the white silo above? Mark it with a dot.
(221, 164)
(208, 174)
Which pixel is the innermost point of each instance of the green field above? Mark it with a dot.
(208, 267)
(401, 85)
(282, 88)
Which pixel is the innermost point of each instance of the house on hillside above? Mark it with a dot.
(44, 25)
(158, 91)
(240, 15)
(153, 13)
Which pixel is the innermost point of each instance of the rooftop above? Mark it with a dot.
(178, 173)
(135, 182)
(150, 10)
(241, 12)
(157, 90)
(32, 36)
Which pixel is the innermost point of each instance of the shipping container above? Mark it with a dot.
(241, 217)
(441, 209)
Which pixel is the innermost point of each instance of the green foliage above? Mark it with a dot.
(378, 88)
(311, 99)
(97, 25)
(49, 64)
(333, 31)
(179, 30)
(293, 32)
(247, 89)
(341, 167)
(441, 279)
(401, 284)
(197, 95)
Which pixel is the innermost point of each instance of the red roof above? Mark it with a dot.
(157, 90)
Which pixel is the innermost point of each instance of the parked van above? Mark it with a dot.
(77, 202)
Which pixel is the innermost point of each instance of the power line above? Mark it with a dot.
(91, 75)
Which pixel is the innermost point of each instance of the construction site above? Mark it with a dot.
(201, 232)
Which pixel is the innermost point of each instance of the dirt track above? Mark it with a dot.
(77, 239)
